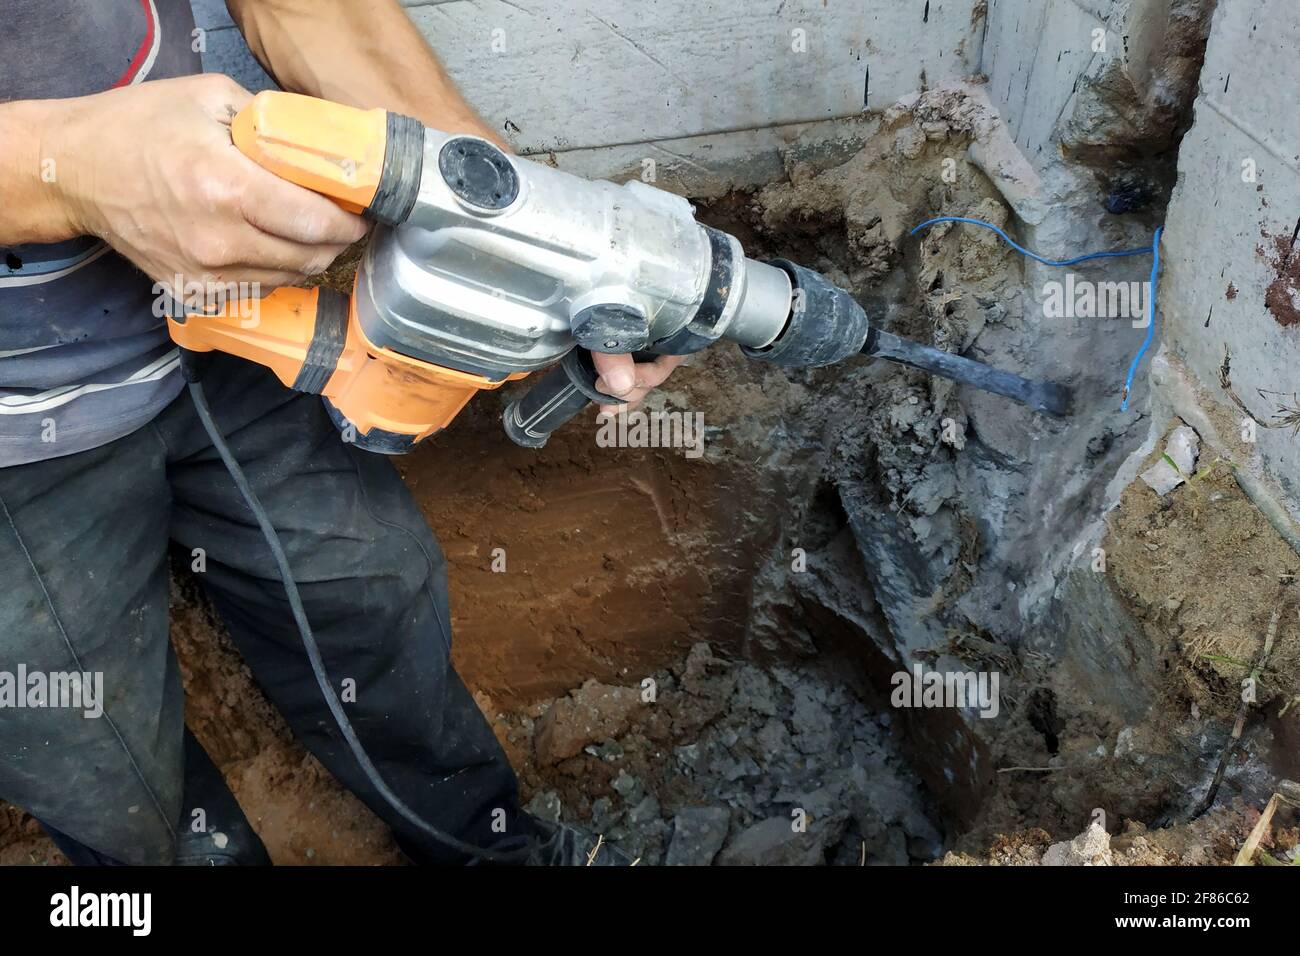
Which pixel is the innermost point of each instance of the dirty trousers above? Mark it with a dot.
(83, 548)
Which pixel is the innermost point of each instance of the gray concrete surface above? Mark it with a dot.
(1224, 230)
(596, 81)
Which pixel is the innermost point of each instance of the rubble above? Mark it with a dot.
(732, 764)
(1177, 464)
(593, 712)
(1089, 848)
(698, 835)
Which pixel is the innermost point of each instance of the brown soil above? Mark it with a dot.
(1211, 840)
(1203, 570)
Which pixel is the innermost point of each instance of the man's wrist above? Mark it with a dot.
(38, 169)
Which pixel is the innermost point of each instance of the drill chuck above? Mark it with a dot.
(823, 323)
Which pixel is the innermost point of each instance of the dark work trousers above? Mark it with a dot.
(83, 542)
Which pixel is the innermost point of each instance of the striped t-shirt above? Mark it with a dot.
(83, 357)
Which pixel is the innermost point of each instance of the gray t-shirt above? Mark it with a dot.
(83, 357)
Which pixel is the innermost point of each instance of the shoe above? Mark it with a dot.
(559, 844)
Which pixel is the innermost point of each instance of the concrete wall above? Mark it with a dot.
(1034, 54)
(713, 86)
(1229, 278)
(1230, 283)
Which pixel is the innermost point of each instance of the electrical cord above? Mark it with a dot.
(477, 853)
(1152, 250)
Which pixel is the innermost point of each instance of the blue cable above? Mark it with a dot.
(1152, 250)
(1151, 318)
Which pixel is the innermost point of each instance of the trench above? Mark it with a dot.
(693, 653)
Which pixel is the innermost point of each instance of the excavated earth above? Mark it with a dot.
(693, 656)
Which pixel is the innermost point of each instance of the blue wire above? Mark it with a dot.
(1152, 250)
(1151, 318)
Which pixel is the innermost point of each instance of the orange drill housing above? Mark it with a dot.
(373, 388)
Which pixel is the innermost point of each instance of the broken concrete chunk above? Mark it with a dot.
(1124, 742)
(698, 835)
(545, 805)
(688, 755)
(813, 728)
(755, 691)
(1181, 449)
(701, 669)
(646, 810)
(594, 712)
(603, 815)
(887, 847)
(630, 788)
(1089, 848)
(774, 842)
(773, 737)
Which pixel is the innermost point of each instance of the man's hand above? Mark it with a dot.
(629, 380)
(151, 169)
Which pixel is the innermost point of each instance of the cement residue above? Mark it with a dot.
(854, 218)
(887, 424)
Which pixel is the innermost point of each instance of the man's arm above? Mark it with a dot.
(360, 52)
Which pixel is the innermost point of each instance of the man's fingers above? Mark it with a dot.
(284, 209)
(263, 251)
(221, 97)
(225, 283)
(614, 372)
(652, 374)
(617, 373)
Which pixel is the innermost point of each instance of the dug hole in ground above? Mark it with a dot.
(711, 655)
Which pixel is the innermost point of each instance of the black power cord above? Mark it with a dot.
(191, 371)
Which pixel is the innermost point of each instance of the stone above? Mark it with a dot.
(1124, 742)
(630, 788)
(688, 756)
(1182, 448)
(698, 835)
(545, 805)
(607, 750)
(887, 847)
(603, 815)
(1089, 848)
(773, 842)
(646, 810)
(811, 721)
(700, 669)
(739, 769)
(774, 738)
(755, 691)
(594, 712)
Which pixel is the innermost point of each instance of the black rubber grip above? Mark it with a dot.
(327, 340)
(399, 181)
(554, 399)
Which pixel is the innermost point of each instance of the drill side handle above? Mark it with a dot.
(558, 396)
